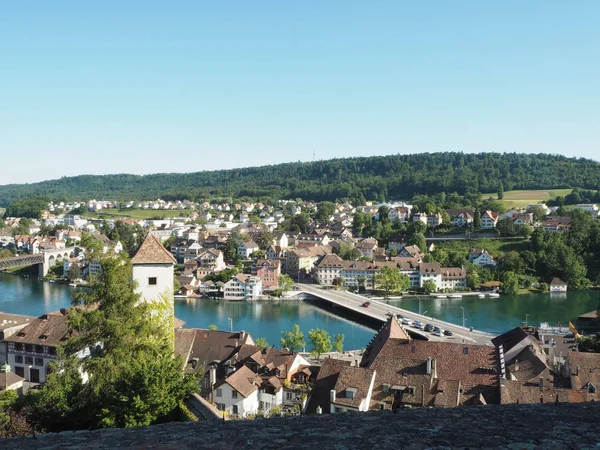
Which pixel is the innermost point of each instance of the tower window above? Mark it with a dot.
(152, 281)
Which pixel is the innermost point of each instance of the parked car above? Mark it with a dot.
(448, 333)
(366, 304)
(437, 333)
(436, 329)
(428, 327)
(406, 321)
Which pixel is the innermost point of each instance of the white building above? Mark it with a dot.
(489, 219)
(481, 257)
(243, 287)
(153, 270)
(245, 249)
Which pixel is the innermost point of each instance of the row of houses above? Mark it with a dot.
(397, 371)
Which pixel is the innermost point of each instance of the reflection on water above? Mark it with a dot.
(506, 312)
(261, 319)
(268, 319)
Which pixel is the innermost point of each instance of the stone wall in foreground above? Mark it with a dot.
(547, 426)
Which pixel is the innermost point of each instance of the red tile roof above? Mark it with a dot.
(153, 252)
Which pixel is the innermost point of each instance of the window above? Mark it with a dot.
(19, 347)
(39, 349)
(288, 395)
(52, 350)
(152, 281)
(234, 394)
(28, 360)
(19, 359)
(466, 350)
(261, 405)
(19, 370)
(39, 361)
(234, 409)
(28, 348)
(206, 383)
(221, 406)
(219, 392)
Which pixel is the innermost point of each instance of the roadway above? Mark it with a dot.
(380, 311)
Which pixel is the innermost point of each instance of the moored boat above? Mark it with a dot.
(493, 295)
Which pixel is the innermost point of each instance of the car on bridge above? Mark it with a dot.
(428, 327)
(448, 333)
(366, 304)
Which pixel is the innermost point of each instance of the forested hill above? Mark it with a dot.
(377, 177)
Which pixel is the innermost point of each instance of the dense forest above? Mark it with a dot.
(373, 178)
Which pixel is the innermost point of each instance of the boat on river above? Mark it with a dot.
(481, 295)
(493, 295)
(440, 296)
(455, 296)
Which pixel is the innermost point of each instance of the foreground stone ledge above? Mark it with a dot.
(548, 426)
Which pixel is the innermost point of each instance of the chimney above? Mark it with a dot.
(332, 396)
(429, 365)
(319, 410)
(213, 375)
(434, 368)
(236, 344)
(577, 370)
(541, 383)
(551, 351)
(242, 335)
(516, 365)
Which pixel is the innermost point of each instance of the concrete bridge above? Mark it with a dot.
(45, 259)
(379, 311)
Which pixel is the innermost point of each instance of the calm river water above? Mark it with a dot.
(268, 319)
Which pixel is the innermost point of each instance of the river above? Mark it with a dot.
(268, 319)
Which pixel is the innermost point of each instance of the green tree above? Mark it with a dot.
(262, 342)
(324, 211)
(510, 283)
(391, 280)
(338, 343)
(320, 340)
(429, 287)
(285, 282)
(133, 379)
(74, 272)
(176, 285)
(347, 252)
(476, 219)
(213, 327)
(293, 339)
(264, 240)
(501, 191)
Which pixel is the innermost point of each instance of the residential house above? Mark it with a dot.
(314, 238)
(431, 272)
(268, 270)
(243, 287)
(453, 278)
(211, 259)
(400, 213)
(9, 325)
(245, 249)
(411, 251)
(396, 371)
(489, 219)
(32, 348)
(280, 239)
(367, 247)
(558, 285)
(523, 219)
(242, 379)
(10, 381)
(587, 207)
(460, 217)
(481, 257)
(302, 260)
(558, 224)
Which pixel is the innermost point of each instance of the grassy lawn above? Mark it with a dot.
(497, 247)
(138, 214)
(520, 199)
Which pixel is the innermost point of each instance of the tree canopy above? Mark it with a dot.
(375, 178)
(117, 369)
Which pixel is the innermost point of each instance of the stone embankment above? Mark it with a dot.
(547, 426)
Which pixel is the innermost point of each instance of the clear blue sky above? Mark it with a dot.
(180, 86)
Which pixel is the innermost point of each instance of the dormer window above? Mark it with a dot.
(351, 393)
(152, 281)
(591, 388)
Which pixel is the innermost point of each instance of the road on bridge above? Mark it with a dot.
(380, 310)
